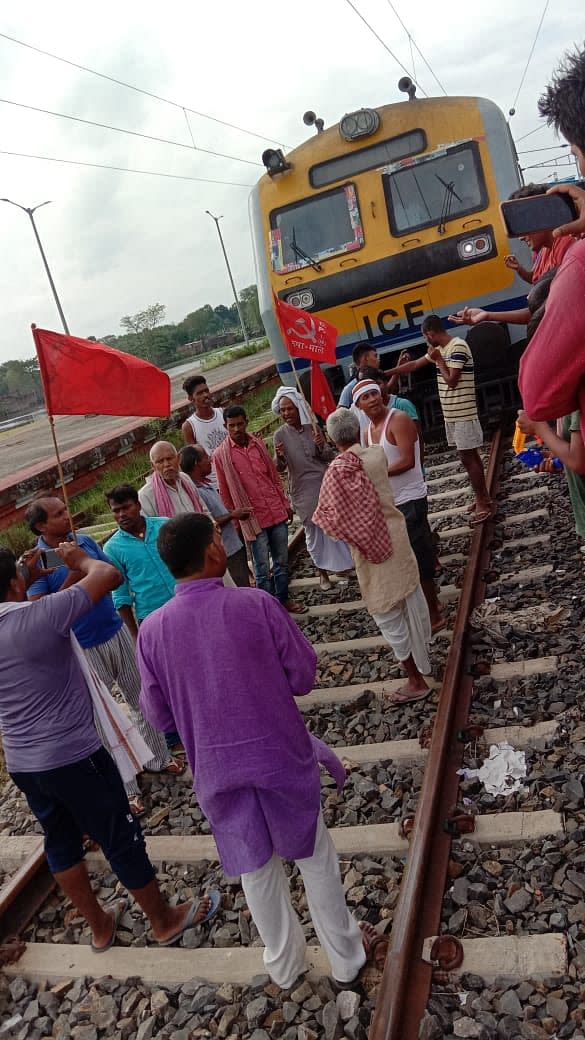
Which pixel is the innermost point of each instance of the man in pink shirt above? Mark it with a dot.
(248, 479)
(552, 370)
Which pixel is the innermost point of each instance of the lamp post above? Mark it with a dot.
(227, 264)
(29, 212)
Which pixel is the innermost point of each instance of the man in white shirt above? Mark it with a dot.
(206, 425)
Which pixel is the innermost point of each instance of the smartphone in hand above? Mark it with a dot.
(537, 213)
(50, 559)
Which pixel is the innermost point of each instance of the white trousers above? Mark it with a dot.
(268, 896)
(407, 627)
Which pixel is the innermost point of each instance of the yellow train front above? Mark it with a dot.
(390, 215)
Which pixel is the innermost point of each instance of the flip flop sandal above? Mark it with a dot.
(176, 767)
(137, 808)
(395, 701)
(480, 518)
(215, 898)
(119, 906)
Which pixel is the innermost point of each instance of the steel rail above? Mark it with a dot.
(406, 980)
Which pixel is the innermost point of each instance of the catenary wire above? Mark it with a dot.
(122, 130)
(125, 169)
(385, 45)
(138, 90)
(543, 126)
(547, 148)
(529, 59)
(413, 41)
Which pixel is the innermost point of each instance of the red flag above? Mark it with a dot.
(306, 335)
(81, 377)
(322, 400)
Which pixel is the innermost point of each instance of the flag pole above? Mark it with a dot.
(300, 389)
(55, 445)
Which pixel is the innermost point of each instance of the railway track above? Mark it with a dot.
(419, 878)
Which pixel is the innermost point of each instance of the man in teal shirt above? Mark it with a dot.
(148, 583)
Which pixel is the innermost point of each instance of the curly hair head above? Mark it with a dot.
(563, 102)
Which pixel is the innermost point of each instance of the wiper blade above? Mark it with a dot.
(301, 255)
(450, 186)
(446, 204)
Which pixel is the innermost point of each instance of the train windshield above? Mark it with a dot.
(314, 229)
(434, 190)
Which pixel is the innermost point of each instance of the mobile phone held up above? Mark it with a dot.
(537, 213)
(50, 558)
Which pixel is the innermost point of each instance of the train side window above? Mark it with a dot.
(315, 228)
(369, 158)
(435, 189)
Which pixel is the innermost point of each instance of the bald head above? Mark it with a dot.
(165, 461)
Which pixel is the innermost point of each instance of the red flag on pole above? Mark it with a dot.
(80, 376)
(322, 400)
(306, 335)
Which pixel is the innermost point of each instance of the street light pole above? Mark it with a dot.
(29, 212)
(227, 264)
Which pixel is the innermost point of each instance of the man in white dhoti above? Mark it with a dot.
(356, 505)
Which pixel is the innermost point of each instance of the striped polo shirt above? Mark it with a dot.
(458, 403)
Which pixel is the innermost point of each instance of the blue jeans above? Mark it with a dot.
(272, 541)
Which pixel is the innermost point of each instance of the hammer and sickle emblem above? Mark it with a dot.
(304, 330)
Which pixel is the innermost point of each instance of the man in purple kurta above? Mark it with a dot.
(225, 664)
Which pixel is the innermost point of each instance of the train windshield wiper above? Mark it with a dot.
(301, 255)
(447, 202)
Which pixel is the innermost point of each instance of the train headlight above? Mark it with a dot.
(303, 299)
(469, 248)
(359, 124)
(275, 161)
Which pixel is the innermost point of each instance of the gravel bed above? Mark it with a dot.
(506, 1009)
(90, 1009)
(370, 720)
(371, 885)
(536, 889)
(361, 666)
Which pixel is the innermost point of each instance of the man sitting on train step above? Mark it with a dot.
(456, 382)
(363, 355)
(255, 765)
(55, 756)
(396, 433)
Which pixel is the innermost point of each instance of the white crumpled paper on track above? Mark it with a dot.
(502, 772)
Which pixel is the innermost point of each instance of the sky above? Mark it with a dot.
(117, 242)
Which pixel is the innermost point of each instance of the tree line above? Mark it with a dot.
(145, 335)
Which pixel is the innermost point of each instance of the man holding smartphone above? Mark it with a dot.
(552, 369)
(54, 753)
(100, 632)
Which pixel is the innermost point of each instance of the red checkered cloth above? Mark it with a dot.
(350, 510)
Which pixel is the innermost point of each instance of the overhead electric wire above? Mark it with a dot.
(385, 45)
(132, 133)
(529, 59)
(412, 41)
(543, 126)
(138, 90)
(125, 169)
(547, 148)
